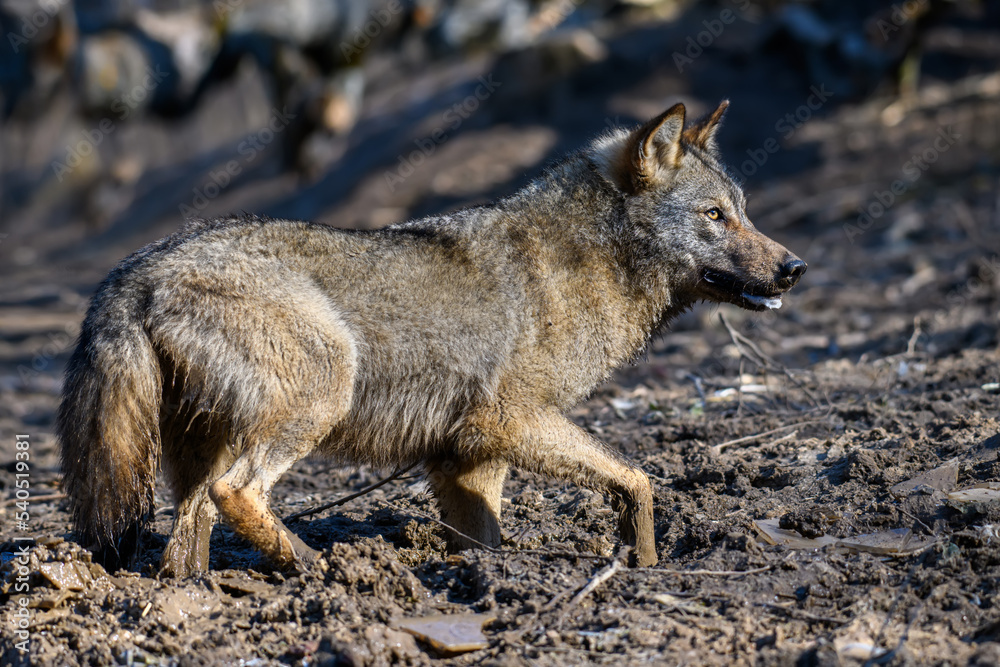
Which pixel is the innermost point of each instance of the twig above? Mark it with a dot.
(456, 531)
(788, 436)
(911, 345)
(804, 615)
(35, 499)
(654, 476)
(916, 520)
(749, 438)
(692, 573)
(760, 358)
(606, 573)
(495, 550)
(700, 387)
(743, 343)
(739, 388)
(347, 499)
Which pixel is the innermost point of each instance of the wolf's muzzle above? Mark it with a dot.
(790, 272)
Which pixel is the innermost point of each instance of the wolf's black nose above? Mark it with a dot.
(791, 271)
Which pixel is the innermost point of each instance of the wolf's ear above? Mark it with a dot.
(658, 143)
(702, 133)
(646, 157)
(652, 151)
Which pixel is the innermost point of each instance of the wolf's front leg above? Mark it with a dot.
(468, 495)
(548, 443)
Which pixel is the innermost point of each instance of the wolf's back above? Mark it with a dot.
(108, 421)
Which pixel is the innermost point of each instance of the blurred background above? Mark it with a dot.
(867, 135)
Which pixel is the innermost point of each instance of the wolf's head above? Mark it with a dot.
(693, 213)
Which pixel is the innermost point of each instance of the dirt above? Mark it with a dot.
(808, 466)
(384, 559)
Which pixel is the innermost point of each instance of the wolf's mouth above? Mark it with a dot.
(741, 292)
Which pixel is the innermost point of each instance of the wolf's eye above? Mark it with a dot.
(714, 214)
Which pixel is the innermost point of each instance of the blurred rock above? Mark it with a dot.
(116, 75)
(191, 40)
(40, 40)
(483, 24)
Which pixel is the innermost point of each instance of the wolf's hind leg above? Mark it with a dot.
(188, 548)
(242, 496)
(193, 460)
(269, 354)
(296, 420)
(469, 495)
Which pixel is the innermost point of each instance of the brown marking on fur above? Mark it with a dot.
(761, 255)
(247, 513)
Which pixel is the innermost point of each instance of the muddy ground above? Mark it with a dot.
(826, 476)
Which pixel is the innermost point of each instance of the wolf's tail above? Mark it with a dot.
(108, 427)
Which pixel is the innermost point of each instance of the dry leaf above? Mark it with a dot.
(980, 493)
(772, 534)
(895, 542)
(943, 478)
(450, 634)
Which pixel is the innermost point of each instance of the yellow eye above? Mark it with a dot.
(714, 214)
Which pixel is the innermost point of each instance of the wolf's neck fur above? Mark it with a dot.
(607, 258)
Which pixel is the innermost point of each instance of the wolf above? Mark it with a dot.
(233, 348)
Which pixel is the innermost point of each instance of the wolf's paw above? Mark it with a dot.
(293, 554)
